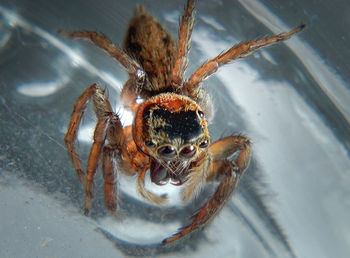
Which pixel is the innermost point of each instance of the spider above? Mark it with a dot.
(169, 135)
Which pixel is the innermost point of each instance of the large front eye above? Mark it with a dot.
(167, 151)
(188, 151)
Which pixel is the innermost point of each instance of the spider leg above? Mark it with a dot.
(221, 167)
(108, 127)
(95, 151)
(185, 31)
(77, 114)
(98, 39)
(108, 169)
(116, 144)
(238, 51)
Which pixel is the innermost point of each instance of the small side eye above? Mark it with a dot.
(167, 152)
(204, 144)
(188, 151)
(201, 114)
(150, 144)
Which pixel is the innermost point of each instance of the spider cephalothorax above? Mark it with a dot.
(169, 135)
(172, 130)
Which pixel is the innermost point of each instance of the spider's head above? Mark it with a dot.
(172, 130)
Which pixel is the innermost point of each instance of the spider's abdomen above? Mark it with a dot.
(152, 46)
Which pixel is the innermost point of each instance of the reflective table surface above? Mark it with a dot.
(292, 100)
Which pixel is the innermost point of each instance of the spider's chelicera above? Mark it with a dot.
(169, 135)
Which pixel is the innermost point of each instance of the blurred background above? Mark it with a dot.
(291, 99)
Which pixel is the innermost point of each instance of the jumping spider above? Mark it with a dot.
(169, 135)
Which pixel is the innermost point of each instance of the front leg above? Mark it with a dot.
(232, 171)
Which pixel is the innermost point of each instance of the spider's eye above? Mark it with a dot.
(188, 151)
(204, 144)
(167, 151)
(201, 114)
(150, 144)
